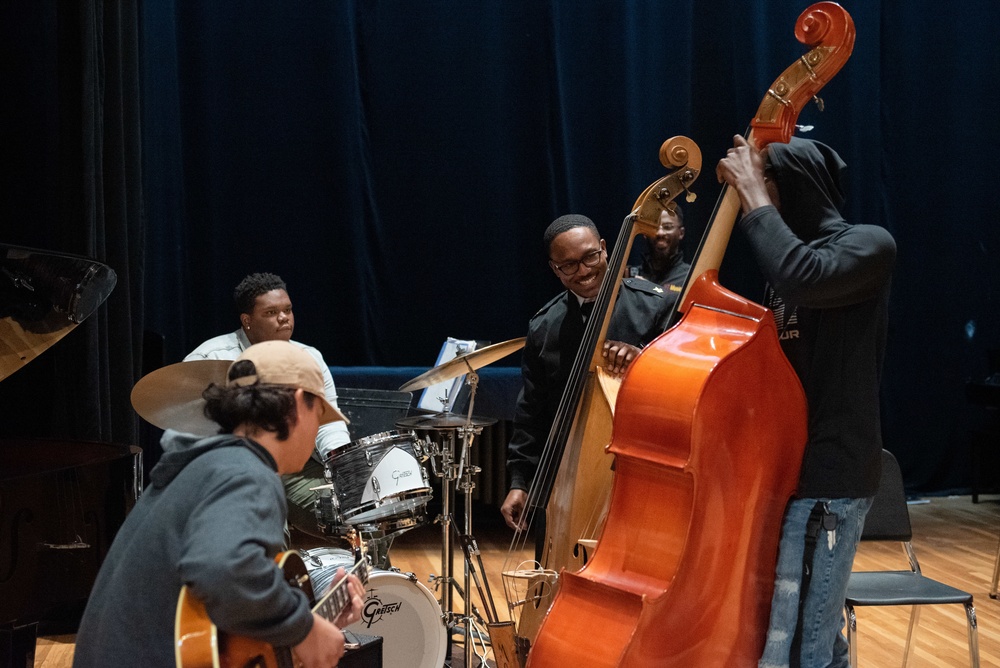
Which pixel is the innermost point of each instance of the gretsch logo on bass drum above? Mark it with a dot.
(374, 609)
(397, 474)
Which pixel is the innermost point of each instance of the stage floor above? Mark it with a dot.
(955, 540)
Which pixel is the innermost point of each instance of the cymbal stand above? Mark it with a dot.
(460, 472)
(467, 485)
(445, 447)
(466, 473)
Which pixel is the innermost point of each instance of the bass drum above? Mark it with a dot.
(396, 607)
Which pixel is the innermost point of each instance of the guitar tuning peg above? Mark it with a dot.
(819, 102)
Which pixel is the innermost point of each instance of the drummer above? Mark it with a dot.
(265, 312)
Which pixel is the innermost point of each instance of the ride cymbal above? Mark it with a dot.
(456, 367)
(170, 397)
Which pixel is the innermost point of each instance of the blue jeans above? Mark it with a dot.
(823, 643)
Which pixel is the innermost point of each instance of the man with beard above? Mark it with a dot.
(829, 290)
(664, 263)
(265, 312)
(578, 257)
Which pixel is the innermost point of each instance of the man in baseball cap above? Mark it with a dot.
(280, 363)
(213, 520)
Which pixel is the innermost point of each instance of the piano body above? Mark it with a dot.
(61, 501)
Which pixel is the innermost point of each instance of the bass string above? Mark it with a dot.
(552, 453)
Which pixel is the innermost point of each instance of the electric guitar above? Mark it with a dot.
(199, 644)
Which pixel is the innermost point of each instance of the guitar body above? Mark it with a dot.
(199, 644)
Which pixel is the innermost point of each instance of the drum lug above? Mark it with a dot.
(368, 457)
(376, 487)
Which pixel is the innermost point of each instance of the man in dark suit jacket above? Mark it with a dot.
(578, 257)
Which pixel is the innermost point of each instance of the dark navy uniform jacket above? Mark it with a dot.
(554, 335)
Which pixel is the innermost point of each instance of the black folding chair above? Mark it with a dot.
(889, 520)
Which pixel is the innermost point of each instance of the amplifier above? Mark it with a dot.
(368, 655)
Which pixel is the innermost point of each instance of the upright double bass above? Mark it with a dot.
(708, 435)
(573, 480)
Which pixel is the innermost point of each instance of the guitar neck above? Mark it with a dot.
(333, 603)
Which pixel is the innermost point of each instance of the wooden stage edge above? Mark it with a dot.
(955, 541)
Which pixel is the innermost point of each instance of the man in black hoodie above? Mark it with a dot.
(213, 520)
(829, 291)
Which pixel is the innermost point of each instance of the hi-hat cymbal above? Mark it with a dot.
(456, 367)
(443, 421)
(170, 397)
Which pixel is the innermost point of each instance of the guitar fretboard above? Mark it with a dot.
(331, 605)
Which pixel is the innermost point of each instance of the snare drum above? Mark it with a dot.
(396, 607)
(380, 477)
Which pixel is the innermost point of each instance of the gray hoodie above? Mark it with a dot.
(212, 518)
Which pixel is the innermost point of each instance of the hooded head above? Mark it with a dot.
(809, 176)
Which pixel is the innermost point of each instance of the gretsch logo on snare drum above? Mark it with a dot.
(397, 474)
(374, 609)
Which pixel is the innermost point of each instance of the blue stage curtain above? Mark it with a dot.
(397, 161)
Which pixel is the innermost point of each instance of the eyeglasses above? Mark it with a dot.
(591, 259)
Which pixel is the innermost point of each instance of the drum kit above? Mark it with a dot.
(379, 487)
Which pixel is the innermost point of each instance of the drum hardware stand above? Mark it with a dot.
(446, 448)
(470, 548)
(450, 472)
(438, 580)
(327, 510)
(462, 473)
(501, 634)
(377, 546)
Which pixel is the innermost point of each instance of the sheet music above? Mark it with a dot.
(433, 397)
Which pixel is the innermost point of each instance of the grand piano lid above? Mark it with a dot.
(43, 296)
